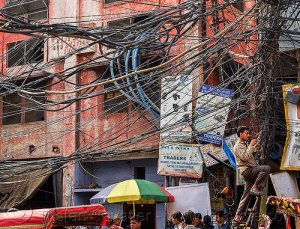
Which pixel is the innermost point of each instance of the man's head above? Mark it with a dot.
(220, 217)
(206, 220)
(243, 133)
(188, 217)
(197, 220)
(176, 217)
(117, 219)
(135, 223)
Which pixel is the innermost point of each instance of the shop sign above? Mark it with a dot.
(181, 160)
(176, 109)
(291, 152)
(211, 111)
(217, 151)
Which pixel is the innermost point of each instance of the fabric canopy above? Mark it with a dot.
(15, 190)
(33, 219)
(285, 205)
(86, 215)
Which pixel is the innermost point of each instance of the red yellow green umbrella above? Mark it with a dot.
(133, 191)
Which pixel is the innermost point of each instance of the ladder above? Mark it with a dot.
(252, 221)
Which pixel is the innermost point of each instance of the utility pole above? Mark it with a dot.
(263, 104)
(269, 26)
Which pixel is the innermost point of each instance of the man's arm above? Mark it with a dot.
(244, 155)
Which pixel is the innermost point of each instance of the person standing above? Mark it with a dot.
(176, 218)
(207, 222)
(188, 218)
(255, 175)
(221, 221)
(198, 220)
(135, 223)
(116, 222)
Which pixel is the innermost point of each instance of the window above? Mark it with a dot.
(111, 1)
(139, 173)
(17, 109)
(119, 24)
(12, 109)
(114, 101)
(239, 5)
(30, 9)
(25, 52)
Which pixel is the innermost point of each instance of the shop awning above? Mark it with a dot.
(85, 215)
(19, 184)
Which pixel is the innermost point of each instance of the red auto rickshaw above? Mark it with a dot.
(86, 215)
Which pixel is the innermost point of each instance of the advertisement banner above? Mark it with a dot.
(180, 160)
(291, 152)
(211, 111)
(217, 151)
(176, 109)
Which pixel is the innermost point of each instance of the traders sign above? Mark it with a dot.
(212, 108)
(291, 152)
(176, 109)
(180, 160)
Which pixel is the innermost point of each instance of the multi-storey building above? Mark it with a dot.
(29, 134)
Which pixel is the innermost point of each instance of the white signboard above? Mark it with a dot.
(291, 153)
(212, 109)
(180, 160)
(176, 109)
(190, 197)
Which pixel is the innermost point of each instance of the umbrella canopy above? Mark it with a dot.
(134, 190)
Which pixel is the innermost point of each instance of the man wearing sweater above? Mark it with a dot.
(255, 175)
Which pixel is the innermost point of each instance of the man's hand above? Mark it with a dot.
(253, 142)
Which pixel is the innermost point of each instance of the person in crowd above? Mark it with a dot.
(126, 220)
(169, 224)
(198, 223)
(116, 222)
(176, 218)
(207, 222)
(188, 219)
(255, 175)
(221, 221)
(135, 222)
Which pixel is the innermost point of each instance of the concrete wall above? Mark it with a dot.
(110, 172)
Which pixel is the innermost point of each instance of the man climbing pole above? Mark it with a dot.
(255, 175)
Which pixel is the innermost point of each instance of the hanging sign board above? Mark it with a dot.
(217, 151)
(291, 152)
(212, 109)
(176, 109)
(180, 160)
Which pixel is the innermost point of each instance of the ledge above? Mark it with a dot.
(79, 190)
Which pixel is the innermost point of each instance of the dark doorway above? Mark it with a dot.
(139, 173)
(43, 198)
(145, 212)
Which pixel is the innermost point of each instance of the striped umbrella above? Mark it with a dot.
(133, 191)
